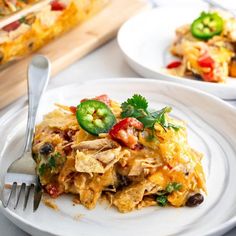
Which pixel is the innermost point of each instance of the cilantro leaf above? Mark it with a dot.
(162, 200)
(134, 107)
(157, 116)
(22, 19)
(42, 169)
(173, 126)
(171, 187)
(52, 162)
(161, 112)
(138, 102)
(137, 107)
(56, 155)
(162, 195)
(148, 121)
(160, 116)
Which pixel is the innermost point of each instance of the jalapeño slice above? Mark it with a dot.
(95, 117)
(207, 26)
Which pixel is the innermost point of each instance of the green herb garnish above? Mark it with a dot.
(162, 200)
(134, 107)
(52, 162)
(42, 169)
(163, 194)
(173, 126)
(57, 155)
(137, 107)
(22, 20)
(156, 117)
(171, 187)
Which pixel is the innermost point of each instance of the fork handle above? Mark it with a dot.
(38, 77)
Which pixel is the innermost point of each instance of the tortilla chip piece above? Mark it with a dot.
(88, 164)
(127, 199)
(61, 120)
(146, 202)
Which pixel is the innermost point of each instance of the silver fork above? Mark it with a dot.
(21, 173)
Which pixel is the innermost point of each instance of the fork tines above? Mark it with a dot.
(20, 190)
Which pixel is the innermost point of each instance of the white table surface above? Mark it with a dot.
(105, 62)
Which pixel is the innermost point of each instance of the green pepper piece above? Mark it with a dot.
(207, 26)
(95, 117)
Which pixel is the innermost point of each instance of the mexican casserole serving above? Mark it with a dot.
(132, 156)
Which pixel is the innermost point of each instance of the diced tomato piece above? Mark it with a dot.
(169, 166)
(174, 64)
(73, 109)
(102, 98)
(125, 131)
(57, 6)
(13, 26)
(53, 190)
(209, 77)
(206, 62)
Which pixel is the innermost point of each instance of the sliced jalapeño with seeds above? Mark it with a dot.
(95, 117)
(207, 25)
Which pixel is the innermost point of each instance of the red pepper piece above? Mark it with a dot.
(73, 109)
(125, 131)
(209, 77)
(102, 98)
(13, 26)
(53, 190)
(57, 6)
(206, 62)
(174, 64)
(169, 166)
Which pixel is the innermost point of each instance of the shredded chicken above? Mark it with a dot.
(97, 144)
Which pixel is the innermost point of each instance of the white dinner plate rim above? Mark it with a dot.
(19, 105)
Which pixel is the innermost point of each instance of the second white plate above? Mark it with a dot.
(145, 40)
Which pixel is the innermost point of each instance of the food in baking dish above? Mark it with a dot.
(206, 48)
(7, 7)
(33, 30)
(132, 156)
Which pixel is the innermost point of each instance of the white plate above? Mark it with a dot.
(146, 38)
(212, 130)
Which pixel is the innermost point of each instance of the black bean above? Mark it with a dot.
(195, 200)
(123, 181)
(46, 149)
